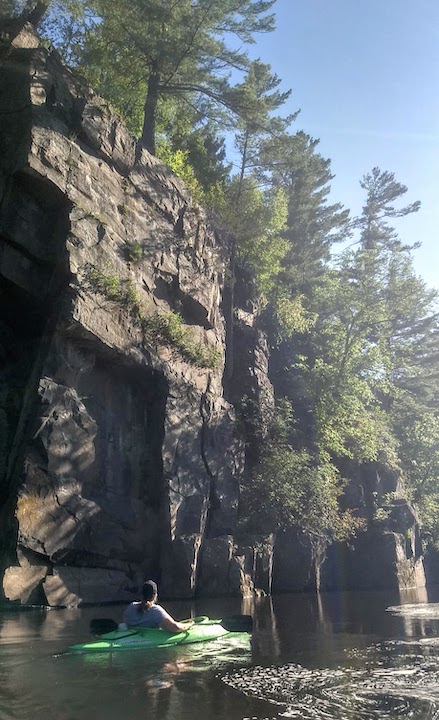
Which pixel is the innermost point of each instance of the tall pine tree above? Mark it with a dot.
(137, 52)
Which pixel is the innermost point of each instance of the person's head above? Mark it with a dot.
(149, 592)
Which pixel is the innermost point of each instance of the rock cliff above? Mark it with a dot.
(120, 456)
(117, 442)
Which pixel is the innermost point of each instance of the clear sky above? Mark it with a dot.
(365, 74)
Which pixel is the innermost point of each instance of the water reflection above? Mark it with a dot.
(389, 679)
(38, 680)
(420, 618)
(265, 640)
(364, 656)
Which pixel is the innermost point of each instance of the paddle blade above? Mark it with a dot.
(100, 626)
(237, 623)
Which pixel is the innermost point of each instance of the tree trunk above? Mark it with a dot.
(37, 13)
(243, 168)
(147, 138)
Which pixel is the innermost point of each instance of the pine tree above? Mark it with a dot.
(382, 191)
(257, 98)
(313, 224)
(151, 49)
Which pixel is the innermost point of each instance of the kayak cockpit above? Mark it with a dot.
(131, 638)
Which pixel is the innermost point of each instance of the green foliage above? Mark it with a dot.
(178, 162)
(340, 370)
(313, 226)
(284, 233)
(382, 190)
(65, 25)
(257, 225)
(168, 328)
(204, 149)
(419, 452)
(163, 327)
(289, 486)
(207, 155)
(257, 97)
(133, 252)
(107, 284)
(258, 219)
(137, 52)
(114, 289)
(291, 315)
(381, 515)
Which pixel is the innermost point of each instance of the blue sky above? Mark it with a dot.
(365, 74)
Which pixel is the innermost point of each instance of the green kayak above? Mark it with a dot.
(202, 630)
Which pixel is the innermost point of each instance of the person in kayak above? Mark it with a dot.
(146, 613)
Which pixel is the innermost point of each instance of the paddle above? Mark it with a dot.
(233, 623)
(237, 623)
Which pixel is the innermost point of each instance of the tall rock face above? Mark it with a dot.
(119, 454)
(389, 553)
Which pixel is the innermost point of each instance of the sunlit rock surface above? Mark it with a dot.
(389, 553)
(121, 458)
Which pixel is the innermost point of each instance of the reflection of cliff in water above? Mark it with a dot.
(265, 640)
(419, 617)
(390, 679)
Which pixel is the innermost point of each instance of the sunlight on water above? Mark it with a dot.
(391, 680)
(366, 694)
(422, 610)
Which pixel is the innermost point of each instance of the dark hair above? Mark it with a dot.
(149, 590)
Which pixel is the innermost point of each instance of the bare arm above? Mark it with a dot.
(170, 625)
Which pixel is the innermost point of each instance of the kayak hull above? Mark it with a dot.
(140, 638)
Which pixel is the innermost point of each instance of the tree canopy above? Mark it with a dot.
(138, 53)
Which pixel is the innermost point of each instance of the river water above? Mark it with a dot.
(341, 656)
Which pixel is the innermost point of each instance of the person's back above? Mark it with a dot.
(136, 615)
(147, 613)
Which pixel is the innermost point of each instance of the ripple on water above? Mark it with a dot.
(391, 680)
(367, 693)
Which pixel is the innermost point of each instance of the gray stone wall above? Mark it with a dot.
(120, 455)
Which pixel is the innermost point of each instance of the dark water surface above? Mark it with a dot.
(346, 656)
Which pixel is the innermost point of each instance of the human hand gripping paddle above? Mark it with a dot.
(232, 623)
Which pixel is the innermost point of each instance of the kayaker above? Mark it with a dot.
(146, 613)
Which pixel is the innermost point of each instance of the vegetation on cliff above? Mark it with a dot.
(354, 332)
(157, 327)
